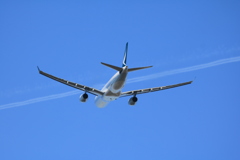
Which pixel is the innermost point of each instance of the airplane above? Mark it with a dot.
(113, 88)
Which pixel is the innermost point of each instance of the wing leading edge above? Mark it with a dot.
(73, 84)
(147, 90)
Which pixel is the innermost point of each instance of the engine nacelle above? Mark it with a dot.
(83, 97)
(132, 101)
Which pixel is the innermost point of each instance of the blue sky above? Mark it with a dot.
(43, 119)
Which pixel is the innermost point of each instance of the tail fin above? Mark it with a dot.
(124, 63)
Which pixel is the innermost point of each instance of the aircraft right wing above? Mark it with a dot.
(147, 90)
(73, 84)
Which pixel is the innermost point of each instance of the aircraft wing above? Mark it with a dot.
(147, 90)
(73, 84)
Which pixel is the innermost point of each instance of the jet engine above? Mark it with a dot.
(132, 101)
(83, 97)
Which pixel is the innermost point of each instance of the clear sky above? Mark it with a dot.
(43, 119)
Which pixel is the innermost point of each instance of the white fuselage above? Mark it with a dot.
(112, 90)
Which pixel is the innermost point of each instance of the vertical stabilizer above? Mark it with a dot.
(124, 63)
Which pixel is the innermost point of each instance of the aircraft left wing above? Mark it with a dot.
(147, 90)
(73, 84)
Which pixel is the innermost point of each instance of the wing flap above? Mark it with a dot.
(147, 90)
(73, 84)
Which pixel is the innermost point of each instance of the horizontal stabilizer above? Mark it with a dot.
(138, 68)
(119, 68)
(112, 66)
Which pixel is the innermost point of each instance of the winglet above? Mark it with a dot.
(194, 79)
(124, 63)
(38, 69)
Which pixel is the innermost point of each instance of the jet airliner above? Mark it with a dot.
(113, 88)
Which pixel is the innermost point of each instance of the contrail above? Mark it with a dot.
(182, 70)
(40, 99)
(132, 80)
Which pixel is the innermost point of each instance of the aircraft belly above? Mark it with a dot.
(118, 85)
(110, 96)
(99, 102)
